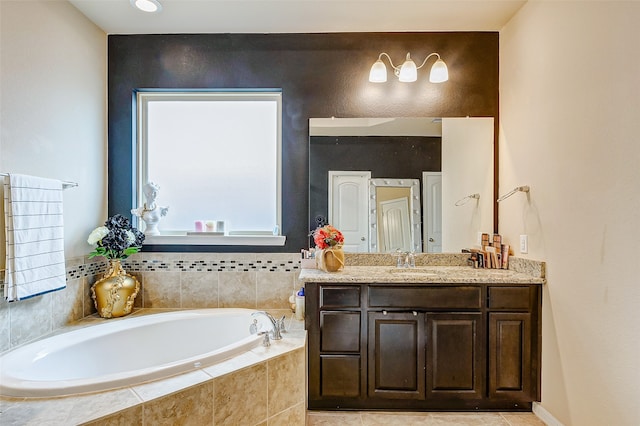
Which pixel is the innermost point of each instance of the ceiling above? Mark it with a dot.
(300, 16)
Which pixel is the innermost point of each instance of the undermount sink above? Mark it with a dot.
(414, 271)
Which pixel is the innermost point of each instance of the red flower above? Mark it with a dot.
(327, 236)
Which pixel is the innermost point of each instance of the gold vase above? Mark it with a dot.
(114, 294)
(331, 259)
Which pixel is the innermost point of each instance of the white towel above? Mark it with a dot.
(35, 237)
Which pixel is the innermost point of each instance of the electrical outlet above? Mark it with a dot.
(524, 244)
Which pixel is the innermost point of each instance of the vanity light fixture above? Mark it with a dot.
(150, 6)
(408, 72)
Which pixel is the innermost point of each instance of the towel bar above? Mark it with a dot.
(65, 184)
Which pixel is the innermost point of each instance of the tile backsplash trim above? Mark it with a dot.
(179, 262)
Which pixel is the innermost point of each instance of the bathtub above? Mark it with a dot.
(125, 352)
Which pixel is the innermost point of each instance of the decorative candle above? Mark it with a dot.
(198, 226)
(210, 225)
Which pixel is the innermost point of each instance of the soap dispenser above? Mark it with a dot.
(300, 305)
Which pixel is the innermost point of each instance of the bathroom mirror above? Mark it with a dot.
(394, 221)
(456, 153)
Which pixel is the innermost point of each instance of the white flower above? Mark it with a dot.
(131, 238)
(98, 234)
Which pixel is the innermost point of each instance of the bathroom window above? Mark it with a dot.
(216, 156)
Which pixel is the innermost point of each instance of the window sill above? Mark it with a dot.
(216, 240)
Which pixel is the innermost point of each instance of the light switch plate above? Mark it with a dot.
(524, 244)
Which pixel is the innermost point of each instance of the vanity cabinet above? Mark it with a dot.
(423, 346)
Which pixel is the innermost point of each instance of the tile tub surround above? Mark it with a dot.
(262, 386)
(168, 280)
(28, 320)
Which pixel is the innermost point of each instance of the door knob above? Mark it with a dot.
(361, 238)
(431, 240)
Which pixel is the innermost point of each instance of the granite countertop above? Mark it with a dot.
(420, 274)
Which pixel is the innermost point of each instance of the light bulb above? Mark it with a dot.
(408, 71)
(378, 73)
(439, 72)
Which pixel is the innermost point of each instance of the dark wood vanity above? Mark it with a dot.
(431, 345)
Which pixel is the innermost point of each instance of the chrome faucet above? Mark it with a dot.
(276, 324)
(406, 259)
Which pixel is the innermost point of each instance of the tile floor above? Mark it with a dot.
(367, 418)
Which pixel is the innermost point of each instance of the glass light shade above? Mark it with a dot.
(408, 71)
(439, 72)
(378, 73)
(147, 5)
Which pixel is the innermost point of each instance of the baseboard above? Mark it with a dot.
(545, 416)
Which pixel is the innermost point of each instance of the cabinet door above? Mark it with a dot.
(396, 355)
(455, 358)
(510, 356)
(339, 376)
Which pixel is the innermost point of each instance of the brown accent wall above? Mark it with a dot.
(321, 75)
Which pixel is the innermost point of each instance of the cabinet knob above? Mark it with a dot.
(384, 312)
(415, 314)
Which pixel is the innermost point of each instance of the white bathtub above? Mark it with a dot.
(126, 352)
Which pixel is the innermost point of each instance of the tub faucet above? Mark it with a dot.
(277, 325)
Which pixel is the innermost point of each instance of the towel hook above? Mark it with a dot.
(466, 199)
(524, 188)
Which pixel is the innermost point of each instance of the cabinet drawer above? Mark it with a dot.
(339, 297)
(509, 298)
(450, 297)
(340, 331)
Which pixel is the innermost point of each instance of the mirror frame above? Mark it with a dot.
(414, 208)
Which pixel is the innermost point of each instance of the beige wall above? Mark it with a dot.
(467, 168)
(570, 105)
(53, 107)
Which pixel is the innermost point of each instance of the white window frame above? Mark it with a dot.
(143, 97)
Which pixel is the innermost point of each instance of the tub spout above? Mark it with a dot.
(277, 325)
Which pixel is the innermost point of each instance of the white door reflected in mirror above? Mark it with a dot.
(394, 220)
(395, 227)
(432, 211)
(348, 195)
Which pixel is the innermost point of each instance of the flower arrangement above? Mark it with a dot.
(327, 236)
(116, 240)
